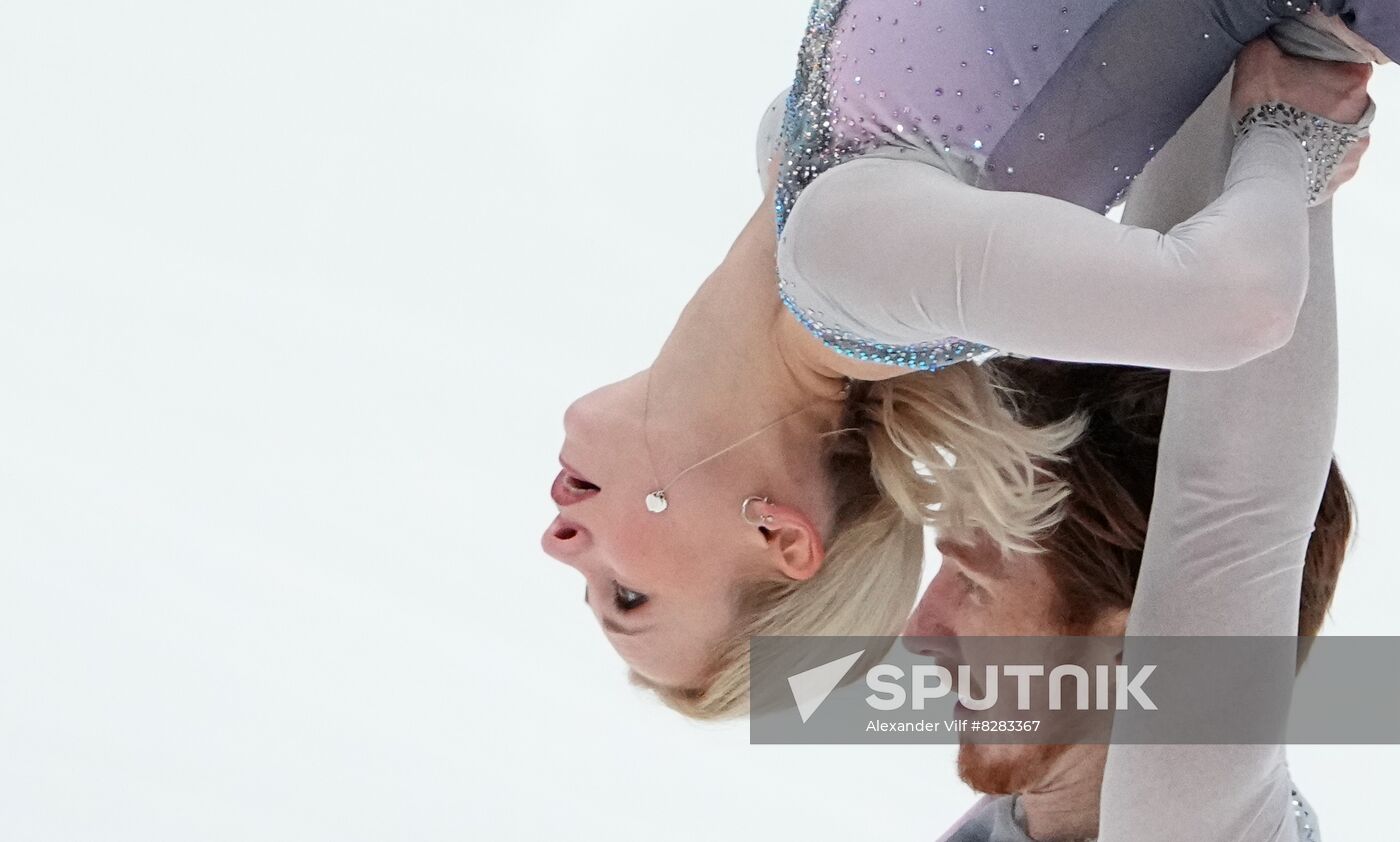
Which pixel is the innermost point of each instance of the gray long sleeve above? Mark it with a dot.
(898, 251)
(1243, 462)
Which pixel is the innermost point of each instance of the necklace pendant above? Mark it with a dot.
(656, 502)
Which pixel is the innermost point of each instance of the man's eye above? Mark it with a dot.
(971, 586)
(626, 599)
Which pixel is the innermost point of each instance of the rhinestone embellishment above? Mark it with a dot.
(924, 356)
(812, 146)
(807, 130)
(1307, 820)
(1326, 142)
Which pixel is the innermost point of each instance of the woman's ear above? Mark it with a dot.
(795, 546)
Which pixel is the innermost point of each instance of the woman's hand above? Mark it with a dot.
(1332, 89)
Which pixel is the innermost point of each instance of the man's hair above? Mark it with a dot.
(1094, 553)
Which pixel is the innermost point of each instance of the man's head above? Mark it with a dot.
(1082, 582)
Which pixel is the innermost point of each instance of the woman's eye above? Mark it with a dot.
(626, 599)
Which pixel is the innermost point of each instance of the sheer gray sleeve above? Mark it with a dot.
(1243, 462)
(900, 252)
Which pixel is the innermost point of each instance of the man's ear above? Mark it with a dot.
(795, 546)
(1111, 623)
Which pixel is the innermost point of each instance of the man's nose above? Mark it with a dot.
(934, 615)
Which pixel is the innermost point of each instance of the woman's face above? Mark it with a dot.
(662, 586)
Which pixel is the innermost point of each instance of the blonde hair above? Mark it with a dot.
(924, 449)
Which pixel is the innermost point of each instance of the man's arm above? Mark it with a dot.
(1243, 461)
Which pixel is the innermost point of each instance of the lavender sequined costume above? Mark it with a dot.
(1067, 99)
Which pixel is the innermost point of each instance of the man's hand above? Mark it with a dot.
(1332, 89)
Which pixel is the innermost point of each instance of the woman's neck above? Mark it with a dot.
(730, 366)
(744, 328)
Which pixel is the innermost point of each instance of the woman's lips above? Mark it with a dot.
(560, 490)
(572, 471)
(567, 488)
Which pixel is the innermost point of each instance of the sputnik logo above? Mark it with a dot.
(812, 687)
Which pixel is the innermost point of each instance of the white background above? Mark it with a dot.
(292, 296)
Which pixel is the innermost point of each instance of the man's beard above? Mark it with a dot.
(1006, 769)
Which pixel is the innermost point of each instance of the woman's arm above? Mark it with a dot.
(1243, 461)
(900, 252)
(897, 251)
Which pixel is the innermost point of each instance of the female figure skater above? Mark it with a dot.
(692, 538)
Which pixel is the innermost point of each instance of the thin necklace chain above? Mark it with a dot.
(656, 500)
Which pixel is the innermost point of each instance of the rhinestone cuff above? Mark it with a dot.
(1326, 142)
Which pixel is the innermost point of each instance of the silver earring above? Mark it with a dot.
(763, 520)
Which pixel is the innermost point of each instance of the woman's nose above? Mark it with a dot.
(566, 541)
